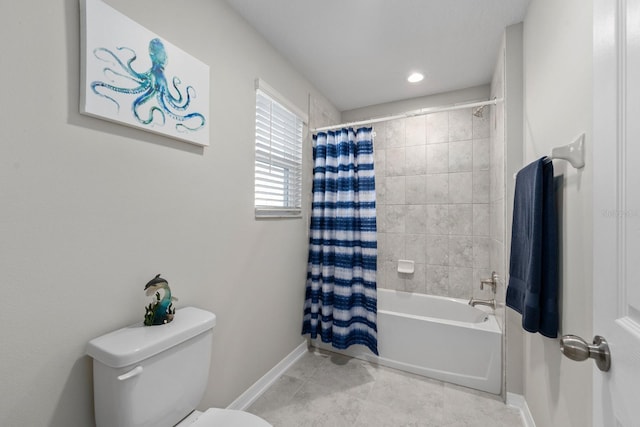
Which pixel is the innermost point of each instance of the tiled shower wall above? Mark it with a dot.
(432, 183)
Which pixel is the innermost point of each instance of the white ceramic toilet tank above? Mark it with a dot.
(152, 375)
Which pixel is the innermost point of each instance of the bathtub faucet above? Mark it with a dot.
(488, 302)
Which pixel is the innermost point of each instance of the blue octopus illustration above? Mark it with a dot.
(151, 85)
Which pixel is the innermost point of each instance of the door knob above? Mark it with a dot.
(575, 348)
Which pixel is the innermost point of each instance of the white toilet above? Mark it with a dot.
(156, 375)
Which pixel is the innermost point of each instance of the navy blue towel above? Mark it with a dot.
(533, 269)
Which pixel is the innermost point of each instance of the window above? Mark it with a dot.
(278, 161)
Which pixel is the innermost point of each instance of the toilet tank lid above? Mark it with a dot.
(135, 343)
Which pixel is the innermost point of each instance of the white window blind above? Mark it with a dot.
(278, 161)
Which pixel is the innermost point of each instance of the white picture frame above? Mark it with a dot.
(132, 76)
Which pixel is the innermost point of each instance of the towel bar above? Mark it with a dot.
(573, 153)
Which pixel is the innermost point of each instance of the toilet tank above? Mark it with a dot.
(152, 375)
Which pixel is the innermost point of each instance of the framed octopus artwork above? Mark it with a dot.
(134, 77)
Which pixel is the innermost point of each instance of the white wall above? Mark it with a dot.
(476, 93)
(557, 108)
(90, 211)
(512, 162)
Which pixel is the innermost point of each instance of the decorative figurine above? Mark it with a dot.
(160, 311)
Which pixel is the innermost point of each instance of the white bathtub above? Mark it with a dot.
(437, 337)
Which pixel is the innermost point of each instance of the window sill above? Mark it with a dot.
(270, 213)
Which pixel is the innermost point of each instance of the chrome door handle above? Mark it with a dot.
(575, 348)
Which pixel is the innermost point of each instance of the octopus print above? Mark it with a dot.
(153, 98)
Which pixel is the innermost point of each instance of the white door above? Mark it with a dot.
(616, 216)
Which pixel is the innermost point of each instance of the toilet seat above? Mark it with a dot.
(215, 417)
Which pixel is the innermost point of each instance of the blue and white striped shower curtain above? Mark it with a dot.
(341, 303)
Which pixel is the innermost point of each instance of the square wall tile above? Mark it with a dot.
(396, 217)
(437, 250)
(416, 281)
(381, 217)
(496, 180)
(480, 219)
(395, 190)
(395, 160)
(380, 275)
(461, 219)
(381, 190)
(395, 136)
(460, 125)
(394, 249)
(416, 248)
(497, 220)
(438, 219)
(460, 187)
(416, 131)
(379, 162)
(481, 154)
(481, 124)
(438, 158)
(416, 219)
(437, 280)
(393, 279)
(481, 187)
(460, 282)
(481, 252)
(437, 127)
(461, 156)
(416, 190)
(438, 188)
(416, 160)
(382, 246)
(461, 251)
(380, 138)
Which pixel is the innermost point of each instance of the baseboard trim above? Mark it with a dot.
(247, 398)
(518, 401)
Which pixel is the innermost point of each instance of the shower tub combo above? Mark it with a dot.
(436, 337)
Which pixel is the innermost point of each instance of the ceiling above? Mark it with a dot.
(360, 52)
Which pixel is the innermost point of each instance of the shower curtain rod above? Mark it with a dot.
(413, 113)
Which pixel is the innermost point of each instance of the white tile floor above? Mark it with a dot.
(329, 390)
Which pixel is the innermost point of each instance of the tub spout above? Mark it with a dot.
(488, 302)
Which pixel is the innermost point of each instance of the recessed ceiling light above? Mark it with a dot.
(415, 78)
